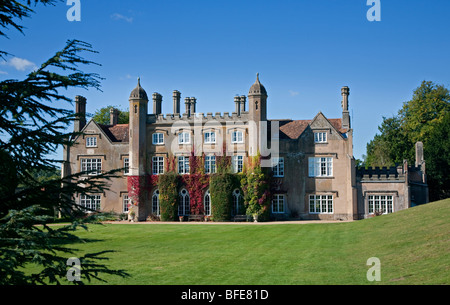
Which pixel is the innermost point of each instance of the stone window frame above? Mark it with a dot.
(235, 163)
(92, 202)
(380, 194)
(238, 201)
(318, 166)
(210, 163)
(184, 203)
(159, 169)
(182, 135)
(155, 195)
(212, 139)
(320, 204)
(278, 168)
(85, 162)
(91, 142)
(125, 202)
(184, 165)
(235, 138)
(207, 203)
(126, 165)
(159, 135)
(280, 209)
(320, 137)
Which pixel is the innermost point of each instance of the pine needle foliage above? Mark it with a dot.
(33, 124)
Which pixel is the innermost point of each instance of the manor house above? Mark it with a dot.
(313, 168)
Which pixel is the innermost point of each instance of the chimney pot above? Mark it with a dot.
(114, 116)
(193, 105)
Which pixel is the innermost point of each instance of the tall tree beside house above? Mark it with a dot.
(438, 163)
(423, 119)
(33, 124)
(387, 148)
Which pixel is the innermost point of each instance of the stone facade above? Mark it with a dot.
(314, 173)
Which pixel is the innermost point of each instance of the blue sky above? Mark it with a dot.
(304, 50)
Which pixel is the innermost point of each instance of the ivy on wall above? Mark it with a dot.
(139, 188)
(221, 188)
(254, 183)
(196, 183)
(168, 196)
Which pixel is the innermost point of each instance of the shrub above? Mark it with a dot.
(221, 187)
(256, 187)
(168, 196)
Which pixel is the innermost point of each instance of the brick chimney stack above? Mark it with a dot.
(157, 103)
(243, 100)
(237, 104)
(114, 116)
(187, 103)
(345, 91)
(80, 111)
(193, 105)
(176, 101)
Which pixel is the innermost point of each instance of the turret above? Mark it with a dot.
(257, 101)
(138, 117)
(257, 114)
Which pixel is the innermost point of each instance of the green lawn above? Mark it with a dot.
(413, 247)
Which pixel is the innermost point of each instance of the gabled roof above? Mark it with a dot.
(116, 133)
(290, 129)
(293, 129)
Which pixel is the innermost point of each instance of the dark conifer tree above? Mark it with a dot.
(33, 124)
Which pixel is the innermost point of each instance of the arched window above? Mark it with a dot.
(207, 203)
(155, 203)
(184, 204)
(238, 202)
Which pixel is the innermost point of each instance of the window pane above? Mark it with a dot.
(330, 204)
(311, 167)
(126, 201)
(311, 204)
(324, 204)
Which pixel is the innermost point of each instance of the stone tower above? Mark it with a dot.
(138, 117)
(257, 110)
(257, 101)
(137, 150)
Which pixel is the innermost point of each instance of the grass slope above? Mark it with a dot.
(412, 245)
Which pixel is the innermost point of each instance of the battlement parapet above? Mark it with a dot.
(200, 116)
(383, 173)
